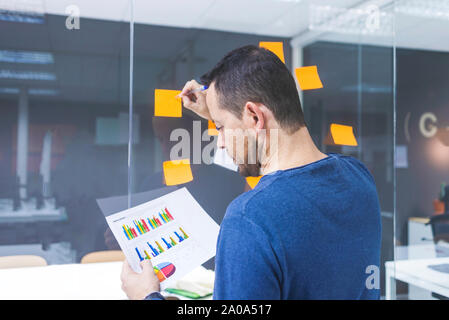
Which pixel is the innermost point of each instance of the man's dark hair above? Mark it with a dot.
(256, 74)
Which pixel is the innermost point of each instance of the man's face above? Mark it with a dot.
(240, 147)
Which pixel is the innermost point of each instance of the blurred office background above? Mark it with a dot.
(67, 91)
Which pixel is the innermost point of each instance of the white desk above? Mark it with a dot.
(417, 273)
(93, 281)
(67, 281)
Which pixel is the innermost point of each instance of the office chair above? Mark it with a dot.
(440, 227)
(440, 223)
(22, 261)
(103, 256)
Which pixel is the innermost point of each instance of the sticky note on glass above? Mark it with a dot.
(276, 47)
(343, 135)
(253, 181)
(166, 104)
(177, 172)
(308, 78)
(212, 129)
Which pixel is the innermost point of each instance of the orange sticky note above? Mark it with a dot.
(212, 129)
(308, 78)
(253, 181)
(276, 47)
(177, 172)
(166, 104)
(343, 135)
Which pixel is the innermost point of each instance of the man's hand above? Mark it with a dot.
(195, 101)
(138, 285)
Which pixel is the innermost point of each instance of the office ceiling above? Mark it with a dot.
(92, 64)
(282, 18)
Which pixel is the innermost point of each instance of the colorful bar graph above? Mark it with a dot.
(155, 252)
(157, 247)
(137, 227)
(168, 214)
(138, 253)
(181, 239)
(144, 225)
(142, 257)
(185, 234)
(166, 243)
(130, 233)
(126, 233)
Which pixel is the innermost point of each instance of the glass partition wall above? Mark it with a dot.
(353, 49)
(349, 42)
(71, 74)
(195, 46)
(64, 88)
(422, 151)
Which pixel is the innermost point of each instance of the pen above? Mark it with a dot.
(202, 88)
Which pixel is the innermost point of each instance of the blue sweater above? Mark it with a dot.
(305, 233)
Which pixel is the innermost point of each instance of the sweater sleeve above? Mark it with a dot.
(246, 265)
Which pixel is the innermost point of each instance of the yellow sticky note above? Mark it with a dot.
(177, 172)
(308, 78)
(212, 129)
(166, 104)
(276, 47)
(343, 135)
(253, 181)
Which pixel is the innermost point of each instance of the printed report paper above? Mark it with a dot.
(173, 232)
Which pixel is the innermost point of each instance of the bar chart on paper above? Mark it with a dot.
(165, 242)
(173, 232)
(143, 225)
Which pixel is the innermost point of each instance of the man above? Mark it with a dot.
(311, 228)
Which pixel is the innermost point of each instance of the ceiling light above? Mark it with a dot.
(26, 11)
(369, 20)
(34, 92)
(438, 9)
(43, 92)
(368, 88)
(9, 90)
(11, 16)
(33, 57)
(27, 75)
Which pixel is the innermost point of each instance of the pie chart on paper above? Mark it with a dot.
(164, 270)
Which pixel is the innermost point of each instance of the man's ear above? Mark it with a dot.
(253, 116)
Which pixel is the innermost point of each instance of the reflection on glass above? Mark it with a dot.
(64, 111)
(56, 86)
(422, 224)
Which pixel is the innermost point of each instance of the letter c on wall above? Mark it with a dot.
(431, 129)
